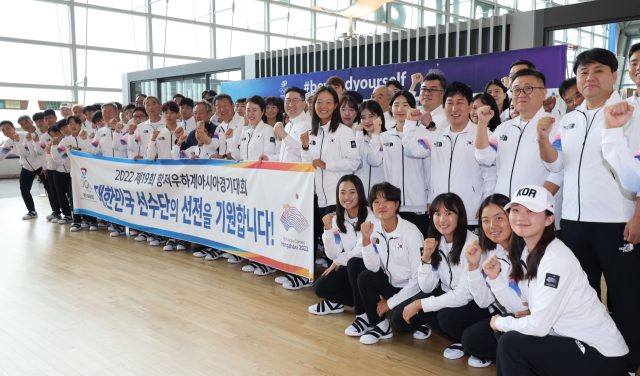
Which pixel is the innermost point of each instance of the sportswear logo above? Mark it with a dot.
(503, 137)
(580, 346)
(388, 144)
(627, 247)
(437, 144)
(102, 135)
(377, 240)
(353, 144)
(421, 251)
(272, 139)
(146, 131)
(312, 142)
(552, 280)
(526, 192)
(160, 138)
(292, 218)
(569, 126)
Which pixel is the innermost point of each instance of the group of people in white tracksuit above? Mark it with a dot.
(435, 211)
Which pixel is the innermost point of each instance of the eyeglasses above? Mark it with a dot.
(139, 117)
(527, 90)
(294, 101)
(428, 90)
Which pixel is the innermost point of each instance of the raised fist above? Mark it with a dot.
(485, 114)
(366, 229)
(473, 252)
(328, 221)
(304, 138)
(377, 126)
(154, 135)
(617, 115)
(491, 267)
(28, 136)
(414, 114)
(178, 132)
(430, 245)
(416, 79)
(83, 135)
(549, 103)
(544, 126)
(229, 134)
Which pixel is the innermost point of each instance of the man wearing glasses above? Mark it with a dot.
(140, 100)
(513, 146)
(299, 123)
(431, 94)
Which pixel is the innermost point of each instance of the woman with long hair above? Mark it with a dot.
(481, 100)
(273, 114)
(370, 113)
(498, 91)
(349, 112)
(444, 303)
(331, 149)
(568, 331)
(408, 174)
(338, 285)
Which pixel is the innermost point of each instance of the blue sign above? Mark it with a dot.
(474, 70)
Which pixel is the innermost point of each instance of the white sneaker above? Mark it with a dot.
(56, 218)
(170, 245)
(102, 223)
(75, 227)
(154, 242)
(93, 227)
(212, 254)
(454, 351)
(264, 270)
(200, 252)
(51, 216)
(250, 268)
(478, 363)
(233, 259)
(224, 254)
(133, 232)
(111, 227)
(141, 237)
(295, 282)
(282, 279)
(322, 262)
(30, 215)
(359, 327)
(377, 333)
(116, 233)
(181, 245)
(325, 307)
(84, 224)
(423, 332)
(65, 220)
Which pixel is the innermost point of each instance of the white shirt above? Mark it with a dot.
(189, 125)
(39, 149)
(142, 135)
(561, 302)
(478, 286)
(237, 124)
(369, 174)
(29, 161)
(342, 246)
(398, 254)
(291, 147)
(163, 144)
(389, 121)
(202, 152)
(254, 142)
(634, 98)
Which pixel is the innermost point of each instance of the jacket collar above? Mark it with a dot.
(613, 99)
(467, 128)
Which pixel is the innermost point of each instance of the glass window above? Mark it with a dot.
(461, 7)
(302, 3)
(243, 43)
(366, 28)
(572, 36)
(379, 15)
(159, 61)
(130, 33)
(100, 96)
(105, 69)
(33, 96)
(216, 79)
(169, 88)
(585, 40)
(34, 20)
(484, 9)
(558, 35)
(435, 4)
(277, 43)
(502, 11)
(134, 5)
(404, 16)
(599, 29)
(432, 18)
(197, 10)
(525, 5)
(507, 3)
(249, 14)
(182, 39)
(326, 27)
(299, 24)
(598, 41)
(145, 87)
(20, 66)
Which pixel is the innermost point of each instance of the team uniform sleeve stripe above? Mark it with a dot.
(557, 142)
(424, 143)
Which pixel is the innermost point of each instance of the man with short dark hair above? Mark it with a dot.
(229, 119)
(140, 100)
(569, 93)
(337, 84)
(186, 111)
(88, 114)
(395, 85)
(38, 148)
(241, 106)
(516, 66)
(634, 71)
(431, 99)
(600, 218)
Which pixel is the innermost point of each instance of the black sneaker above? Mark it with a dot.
(30, 215)
(65, 220)
(75, 227)
(51, 216)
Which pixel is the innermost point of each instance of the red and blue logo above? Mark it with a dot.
(292, 218)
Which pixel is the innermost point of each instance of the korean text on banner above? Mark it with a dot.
(262, 211)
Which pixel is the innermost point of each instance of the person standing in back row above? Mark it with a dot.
(600, 219)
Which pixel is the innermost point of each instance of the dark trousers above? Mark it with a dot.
(448, 322)
(341, 286)
(523, 355)
(420, 220)
(318, 226)
(26, 182)
(65, 195)
(601, 249)
(50, 187)
(371, 286)
(480, 340)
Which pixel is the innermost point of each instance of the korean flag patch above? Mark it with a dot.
(332, 140)
(353, 144)
(552, 280)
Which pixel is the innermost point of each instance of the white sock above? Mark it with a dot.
(383, 325)
(364, 317)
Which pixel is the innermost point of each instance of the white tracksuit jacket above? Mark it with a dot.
(291, 147)
(60, 153)
(451, 278)
(453, 164)
(370, 175)
(400, 169)
(202, 152)
(594, 190)
(237, 124)
(478, 287)
(38, 149)
(398, 254)
(103, 144)
(561, 302)
(622, 155)
(338, 150)
(20, 148)
(164, 143)
(139, 141)
(341, 247)
(253, 143)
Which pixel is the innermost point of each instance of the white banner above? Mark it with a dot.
(258, 210)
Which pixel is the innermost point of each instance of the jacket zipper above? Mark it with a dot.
(516, 156)
(453, 147)
(321, 170)
(582, 152)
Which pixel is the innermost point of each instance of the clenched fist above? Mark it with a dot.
(617, 115)
(485, 114)
(414, 114)
(119, 127)
(182, 139)
(416, 79)
(544, 127)
(28, 136)
(549, 103)
(366, 229)
(491, 267)
(179, 132)
(473, 252)
(154, 135)
(229, 133)
(83, 135)
(304, 138)
(377, 126)
(430, 245)
(328, 221)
